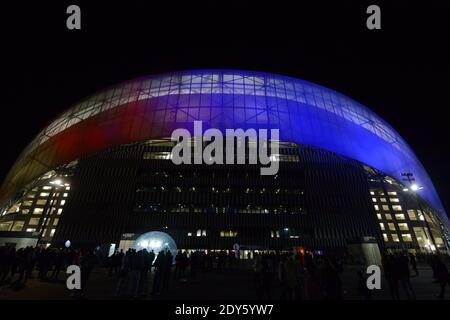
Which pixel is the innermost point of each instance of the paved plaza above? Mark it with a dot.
(237, 284)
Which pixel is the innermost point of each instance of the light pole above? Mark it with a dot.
(410, 178)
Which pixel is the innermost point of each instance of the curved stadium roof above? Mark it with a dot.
(153, 106)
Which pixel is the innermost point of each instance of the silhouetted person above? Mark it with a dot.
(363, 291)
(58, 264)
(412, 260)
(391, 275)
(123, 273)
(440, 274)
(167, 268)
(404, 275)
(87, 264)
(159, 272)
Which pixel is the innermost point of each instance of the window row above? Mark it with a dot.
(219, 190)
(152, 208)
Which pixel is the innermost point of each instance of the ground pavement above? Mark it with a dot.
(235, 284)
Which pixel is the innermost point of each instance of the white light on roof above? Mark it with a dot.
(56, 181)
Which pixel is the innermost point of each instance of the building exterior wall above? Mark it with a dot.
(154, 106)
(318, 199)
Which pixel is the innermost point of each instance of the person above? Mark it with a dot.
(58, 265)
(143, 285)
(87, 264)
(289, 278)
(440, 274)
(362, 288)
(195, 263)
(412, 260)
(167, 268)
(267, 271)
(137, 266)
(404, 275)
(257, 267)
(123, 273)
(178, 263)
(157, 279)
(390, 273)
(7, 257)
(330, 281)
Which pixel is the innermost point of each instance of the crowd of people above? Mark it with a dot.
(133, 268)
(17, 266)
(298, 277)
(276, 275)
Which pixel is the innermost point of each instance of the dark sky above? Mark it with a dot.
(401, 72)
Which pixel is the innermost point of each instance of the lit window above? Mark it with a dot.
(67, 188)
(284, 158)
(164, 155)
(17, 226)
(27, 203)
(392, 193)
(394, 200)
(41, 202)
(31, 230)
(421, 217)
(391, 226)
(383, 199)
(382, 226)
(385, 237)
(31, 195)
(33, 221)
(406, 237)
(65, 195)
(374, 199)
(377, 208)
(55, 221)
(38, 211)
(275, 234)
(5, 226)
(378, 216)
(14, 208)
(59, 211)
(46, 187)
(403, 226)
(385, 207)
(372, 193)
(399, 216)
(395, 237)
(52, 232)
(412, 215)
(381, 193)
(63, 202)
(44, 194)
(388, 216)
(201, 233)
(397, 208)
(189, 234)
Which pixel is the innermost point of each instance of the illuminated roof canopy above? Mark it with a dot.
(153, 106)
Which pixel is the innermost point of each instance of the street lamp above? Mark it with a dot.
(414, 187)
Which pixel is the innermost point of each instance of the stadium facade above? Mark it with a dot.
(100, 173)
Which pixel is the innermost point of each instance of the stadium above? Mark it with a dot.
(100, 173)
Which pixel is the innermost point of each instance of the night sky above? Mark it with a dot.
(400, 72)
